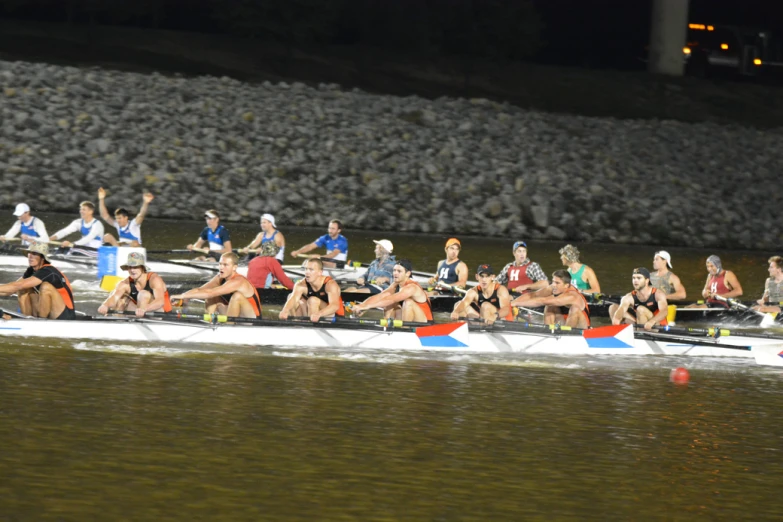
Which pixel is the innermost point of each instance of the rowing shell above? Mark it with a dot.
(383, 335)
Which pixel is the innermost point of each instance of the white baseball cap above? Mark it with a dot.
(21, 208)
(663, 254)
(270, 218)
(385, 244)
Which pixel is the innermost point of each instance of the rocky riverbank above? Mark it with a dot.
(378, 162)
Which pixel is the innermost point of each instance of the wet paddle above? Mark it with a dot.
(766, 319)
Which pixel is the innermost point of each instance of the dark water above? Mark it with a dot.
(112, 431)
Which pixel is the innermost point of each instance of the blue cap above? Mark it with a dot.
(517, 245)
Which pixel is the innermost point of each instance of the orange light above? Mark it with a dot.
(686, 50)
(710, 28)
(724, 46)
(756, 61)
(698, 27)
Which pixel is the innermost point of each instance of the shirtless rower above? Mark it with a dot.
(645, 305)
(128, 230)
(215, 236)
(665, 280)
(43, 291)
(143, 291)
(773, 287)
(405, 299)
(335, 243)
(488, 301)
(582, 276)
(228, 293)
(451, 270)
(522, 275)
(563, 303)
(32, 228)
(267, 264)
(316, 296)
(720, 282)
(90, 228)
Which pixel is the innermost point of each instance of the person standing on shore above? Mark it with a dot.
(665, 280)
(32, 229)
(128, 231)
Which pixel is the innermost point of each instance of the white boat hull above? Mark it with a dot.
(454, 337)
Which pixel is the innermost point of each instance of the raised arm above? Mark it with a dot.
(146, 199)
(102, 207)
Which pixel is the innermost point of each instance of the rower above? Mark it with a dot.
(665, 280)
(773, 287)
(563, 303)
(405, 299)
(143, 291)
(720, 282)
(228, 293)
(43, 291)
(215, 235)
(128, 230)
(316, 296)
(489, 300)
(266, 266)
(378, 275)
(522, 275)
(90, 228)
(645, 305)
(32, 229)
(335, 243)
(582, 276)
(451, 270)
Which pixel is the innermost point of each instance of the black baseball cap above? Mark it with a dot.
(485, 269)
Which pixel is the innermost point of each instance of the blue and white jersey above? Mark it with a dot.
(128, 233)
(33, 228)
(216, 238)
(92, 232)
(339, 243)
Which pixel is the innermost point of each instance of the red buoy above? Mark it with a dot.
(680, 376)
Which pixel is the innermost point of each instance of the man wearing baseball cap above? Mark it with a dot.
(451, 270)
(143, 291)
(488, 301)
(31, 228)
(645, 305)
(379, 274)
(665, 280)
(522, 275)
(214, 235)
(43, 291)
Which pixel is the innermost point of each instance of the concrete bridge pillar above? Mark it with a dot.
(667, 37)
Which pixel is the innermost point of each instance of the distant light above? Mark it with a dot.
(698, 27)
(686, 50)
(724, 46)
(710, 28)
(757, 61)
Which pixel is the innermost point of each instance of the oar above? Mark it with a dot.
(452, 288)
(708, 332)
(766, 321)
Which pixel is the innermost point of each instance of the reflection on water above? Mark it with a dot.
(243, 436)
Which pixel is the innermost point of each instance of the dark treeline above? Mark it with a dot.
(596, 32)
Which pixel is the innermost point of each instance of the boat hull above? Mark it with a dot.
(452, 337)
